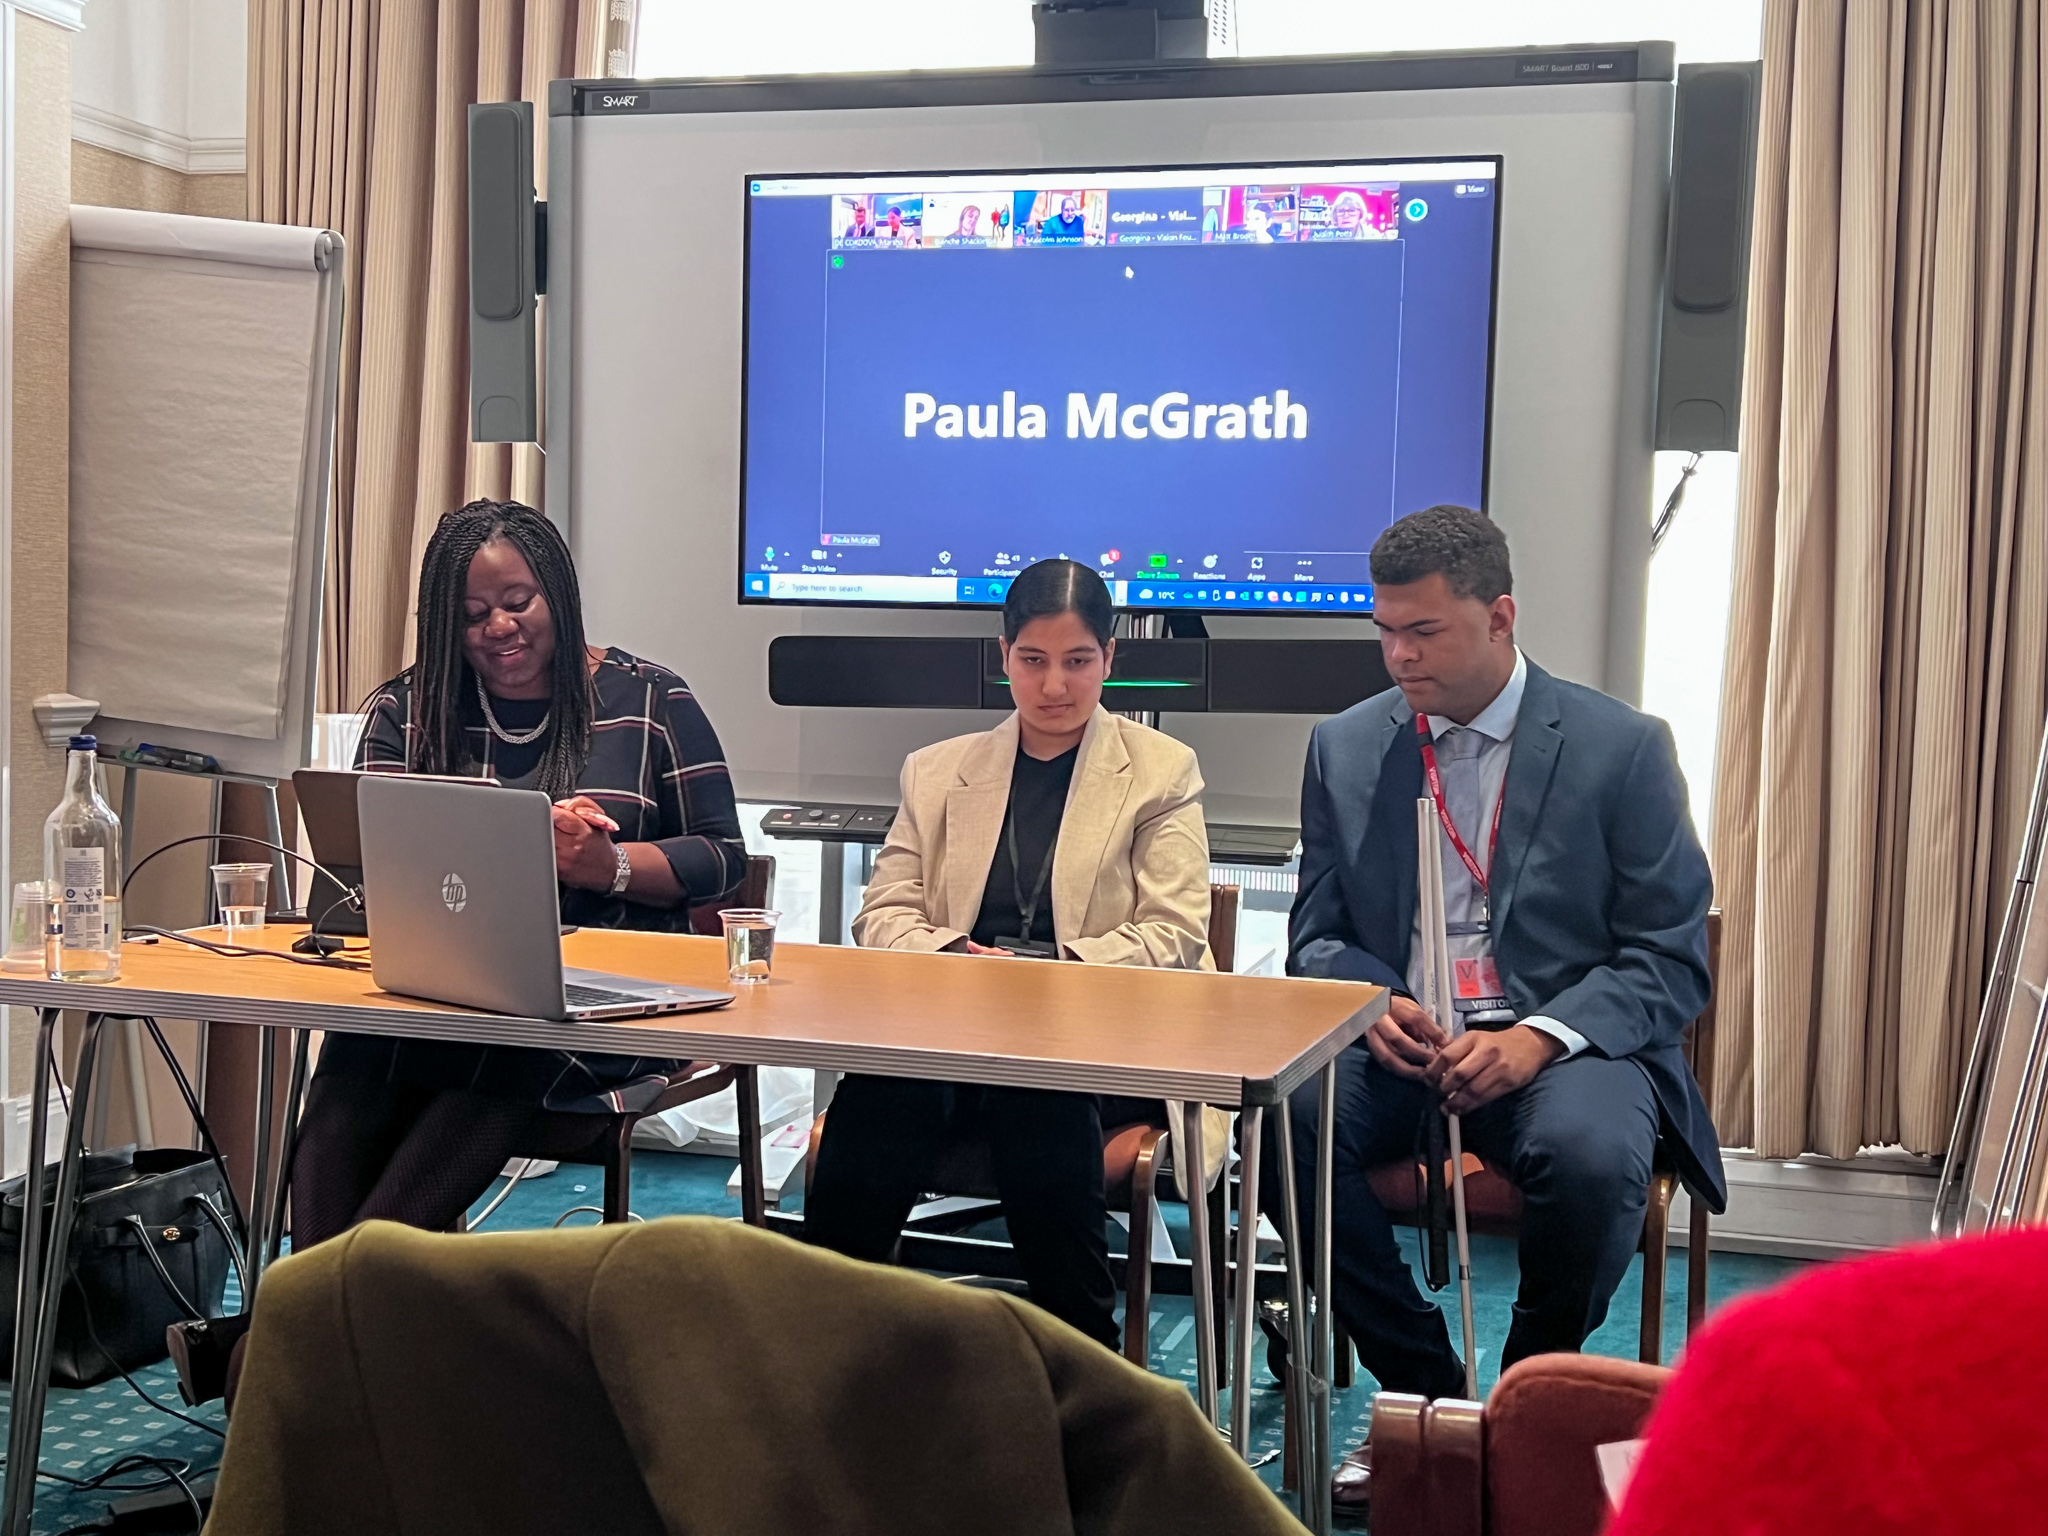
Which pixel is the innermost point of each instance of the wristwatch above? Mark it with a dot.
(624, 877)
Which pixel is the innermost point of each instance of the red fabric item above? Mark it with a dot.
(1906, 1393)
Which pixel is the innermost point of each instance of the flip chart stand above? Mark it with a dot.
(280, 887)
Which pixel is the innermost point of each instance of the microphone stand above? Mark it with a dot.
(1438, 999)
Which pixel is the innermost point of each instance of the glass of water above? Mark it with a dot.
(749, 942)
(241, 891)
(28, 921)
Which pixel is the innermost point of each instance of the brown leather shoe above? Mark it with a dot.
(1351, 1486)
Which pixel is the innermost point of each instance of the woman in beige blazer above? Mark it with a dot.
(1066, 833)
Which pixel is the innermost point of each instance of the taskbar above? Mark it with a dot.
(989, 591)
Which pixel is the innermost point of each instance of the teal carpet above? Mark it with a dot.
(87, 1431)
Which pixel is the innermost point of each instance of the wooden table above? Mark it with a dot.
(1240, 1042)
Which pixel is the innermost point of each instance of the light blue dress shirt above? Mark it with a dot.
(1488, 745)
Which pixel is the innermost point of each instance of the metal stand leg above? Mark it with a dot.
(259, 1183)
(42, 1268)
(282, 897)
(138, 1082)
(1317, 1473)
(294, 1102)
(832, 893)
(1198, 1263)
(1253, 1120)
(1298, 1386)
(130, 780)
(212, 908)
(96, 1125)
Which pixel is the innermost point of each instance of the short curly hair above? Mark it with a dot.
(1464, 547)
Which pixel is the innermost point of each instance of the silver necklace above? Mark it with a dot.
(511, 738)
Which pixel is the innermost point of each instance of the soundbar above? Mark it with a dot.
(1213, 676)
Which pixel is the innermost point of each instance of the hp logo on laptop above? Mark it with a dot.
(454, 894)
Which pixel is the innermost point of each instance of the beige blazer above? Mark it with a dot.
(1130, 873)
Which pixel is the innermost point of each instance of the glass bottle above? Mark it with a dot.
(82, 863)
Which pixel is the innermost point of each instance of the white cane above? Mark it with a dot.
(1438, 999)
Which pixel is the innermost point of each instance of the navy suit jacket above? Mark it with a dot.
(1600, 888)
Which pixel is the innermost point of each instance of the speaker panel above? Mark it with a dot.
(1706, 291)
(503, 396)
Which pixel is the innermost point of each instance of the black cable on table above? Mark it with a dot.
(246, 952)
(230, 837)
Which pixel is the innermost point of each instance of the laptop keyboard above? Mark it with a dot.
(580, 996)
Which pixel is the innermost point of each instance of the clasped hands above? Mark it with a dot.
(585, 855)
(1472, 1070)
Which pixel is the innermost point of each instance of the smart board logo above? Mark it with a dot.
(623, 101)
(454, 894)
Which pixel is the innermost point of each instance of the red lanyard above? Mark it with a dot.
(1443, 814)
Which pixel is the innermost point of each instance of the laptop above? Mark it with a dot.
(327, 803)
(460, 881)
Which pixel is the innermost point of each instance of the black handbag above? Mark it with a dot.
(150, 1247)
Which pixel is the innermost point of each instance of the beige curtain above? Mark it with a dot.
(1885, 685)
(358, 121)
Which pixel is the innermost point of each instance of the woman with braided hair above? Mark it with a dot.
(504, 686)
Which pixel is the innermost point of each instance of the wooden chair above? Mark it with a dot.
(1134, 1158)
(1523, 1465)
(606, 1141)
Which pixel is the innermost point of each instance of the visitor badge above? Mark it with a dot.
(1478, 980)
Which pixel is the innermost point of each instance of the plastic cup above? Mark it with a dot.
(28, 919)
(241, 891)
(749, 943)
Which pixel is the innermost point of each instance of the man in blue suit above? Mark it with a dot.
(1576, 895)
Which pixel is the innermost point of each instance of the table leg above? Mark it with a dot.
(1320, 1459)
(831, 893)
(753, 1190)
(1299, 1394)
(1192, 1166)
(28, 1291)
(1252, 1120)
(259, 1182)
(40, 1282)
(294, 1102)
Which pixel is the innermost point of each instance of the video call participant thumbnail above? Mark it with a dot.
(1066, 833)
(1067, 218)
(903, 221)
(1578, 927)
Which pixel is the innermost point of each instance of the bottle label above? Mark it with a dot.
(85, 898)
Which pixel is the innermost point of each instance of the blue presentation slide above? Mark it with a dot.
(1217, 388)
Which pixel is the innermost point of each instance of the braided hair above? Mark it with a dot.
(443, 683)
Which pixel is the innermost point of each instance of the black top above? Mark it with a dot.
(655, 766)
(516, 762)
(1038, 803)
(657, 769)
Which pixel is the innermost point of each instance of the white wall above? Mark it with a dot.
(164, 81)
(645, 459)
